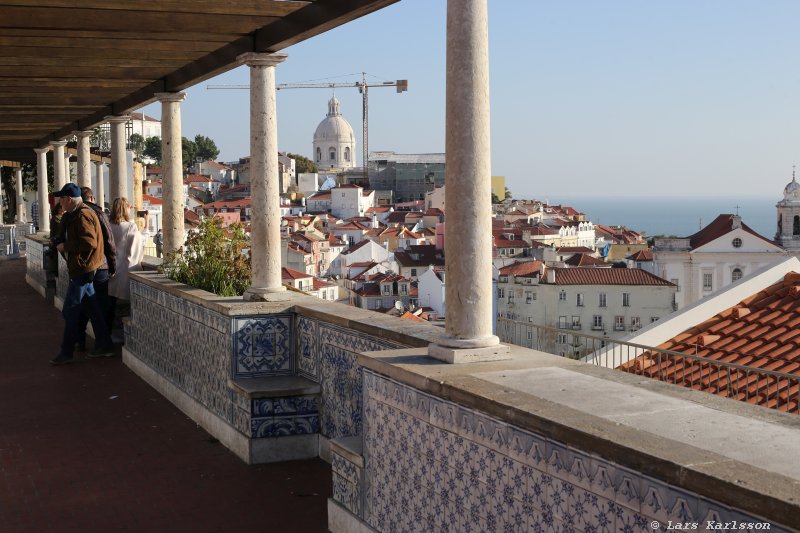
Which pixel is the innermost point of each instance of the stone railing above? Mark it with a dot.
(537, 442)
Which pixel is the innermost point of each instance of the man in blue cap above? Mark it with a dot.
(83, 245)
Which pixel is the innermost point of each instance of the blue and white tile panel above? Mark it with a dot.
(279, 417)
(348, 480)
(185, 343)
(328, 354)
(35, 264)
(263, 346)
(432, 465)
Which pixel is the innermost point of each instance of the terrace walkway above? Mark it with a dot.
(91, 447)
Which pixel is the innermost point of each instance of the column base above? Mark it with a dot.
(276, 294)
(475, 354)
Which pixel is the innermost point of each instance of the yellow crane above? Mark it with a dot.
(363, 87)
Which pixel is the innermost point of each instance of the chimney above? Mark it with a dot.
(551, 275)
(374, 220)
(736, 222)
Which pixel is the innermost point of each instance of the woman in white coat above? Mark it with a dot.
(130, 250)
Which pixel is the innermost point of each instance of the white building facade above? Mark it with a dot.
(334, 142)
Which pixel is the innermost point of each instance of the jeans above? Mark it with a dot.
(106, 308)
(80, 290)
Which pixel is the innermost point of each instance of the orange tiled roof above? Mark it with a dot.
(585, 260)
(607, 276)
(641, 255)
(520, 268)
(761, 332)
(288, 273)
(717, 228)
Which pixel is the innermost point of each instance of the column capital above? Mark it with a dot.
(82, 133)
(170, 97)
(257, 59)
(40, 151)
(58, 144)
(116, 119)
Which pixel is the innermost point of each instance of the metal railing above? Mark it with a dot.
(759, 386)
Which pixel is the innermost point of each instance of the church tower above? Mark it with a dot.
(334, 142)
(788, 234)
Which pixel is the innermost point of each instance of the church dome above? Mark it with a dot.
(334, 141)
(791, 192)
(334, 127)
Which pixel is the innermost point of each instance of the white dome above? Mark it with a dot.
(334, 127)
(791, 193)
(334, 141)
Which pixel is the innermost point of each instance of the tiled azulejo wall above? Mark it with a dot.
(185, 343)
(35, 262)
(432, 465)
(328, 355)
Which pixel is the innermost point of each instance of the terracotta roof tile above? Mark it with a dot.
(761, 332)
(607, 276)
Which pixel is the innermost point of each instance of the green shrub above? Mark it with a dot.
(213, 259)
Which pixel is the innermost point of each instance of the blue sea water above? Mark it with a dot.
(680, 217)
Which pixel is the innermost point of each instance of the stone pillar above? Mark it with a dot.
(59, 165)
(44, 206)
(118, 170)
(100, 186)
(138, 201)
(2, 220)
(468, 258)
(84, 159)
(171, 171)
(21, 218)
(265, 250)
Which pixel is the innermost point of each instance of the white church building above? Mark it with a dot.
(334, 141)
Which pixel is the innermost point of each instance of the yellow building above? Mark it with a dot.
(499, 186)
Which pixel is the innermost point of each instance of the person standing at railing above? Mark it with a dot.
(130, 250)
(159, 241)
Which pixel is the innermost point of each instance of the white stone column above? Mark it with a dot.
(118, 170)
(84, 159)
(468, 250)
(21, 218)
(59, 166)
(44, 206)
(100, 186)
(172, 171)
(265, 249)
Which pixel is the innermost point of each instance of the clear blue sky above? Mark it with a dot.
(633, 97)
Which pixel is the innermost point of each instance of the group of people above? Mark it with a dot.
(100, 251)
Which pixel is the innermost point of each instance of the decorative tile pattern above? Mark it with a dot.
(307, 353)
(278, 417)
(185, 343)
(340, 377)
(35, 262)
(62, 283)
(262, 346)
(348, 483)
(432, 465)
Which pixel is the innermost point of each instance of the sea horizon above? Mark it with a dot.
(674, 215)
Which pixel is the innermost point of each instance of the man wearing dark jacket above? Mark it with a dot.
(103, 273)
(83, 246)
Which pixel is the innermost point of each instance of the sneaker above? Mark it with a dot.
(61, 360)
(102, 352)
(80, 346)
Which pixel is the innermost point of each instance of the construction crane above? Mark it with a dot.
(362, 86)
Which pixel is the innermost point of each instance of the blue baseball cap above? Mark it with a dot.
(70, 189)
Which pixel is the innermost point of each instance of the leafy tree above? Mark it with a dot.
(508, 194)
(137, 145)
(302, 164)
(495, 199)
(152, 149)
(189, 151)
(206, 148)
(213, 259)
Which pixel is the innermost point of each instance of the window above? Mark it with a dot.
(636, 323)
(708, 281)
(333, 155)
(597, 322)
(562, 322)
(347, 153)
(413, 271)
(511, 296)
(387, 289)
(562, 296)
(653, 319)
(736, 275)
(580, 300)
(562, 338)
(602, 299)
(319, 154)
(528, 297)
(737, 242)
(501, 292)
(626, 299)
(619, 323)
(796, 225)
(576, 322)
(674, 281)
(404, 289)
(530, 335)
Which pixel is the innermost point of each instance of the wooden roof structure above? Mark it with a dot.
(67, 64)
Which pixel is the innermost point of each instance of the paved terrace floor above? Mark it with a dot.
(91, 447)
